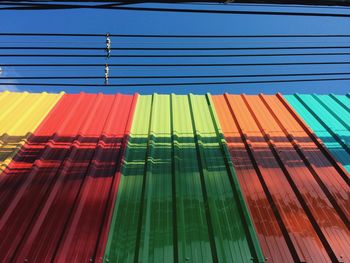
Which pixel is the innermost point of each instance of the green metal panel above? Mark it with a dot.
(193, 241)
(178, 198)
(329, 117)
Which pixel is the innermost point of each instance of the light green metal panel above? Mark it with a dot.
(177, 201)
(156, 236)
(329, 117)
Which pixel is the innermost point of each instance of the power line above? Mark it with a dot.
(180, 64)
(280, 5)
(174, 48)
(53, 48)
(41, 6)
(174, 84)
(174, 36)
(237, 12)
(182, 43)
(203, 2)
(177, 55)
(182, 76)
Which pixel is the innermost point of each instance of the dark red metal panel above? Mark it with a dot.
(280, 166)
(58, 208)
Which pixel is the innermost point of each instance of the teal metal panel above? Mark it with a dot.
(329, 117)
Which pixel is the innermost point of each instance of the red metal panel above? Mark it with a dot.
(60, 203)
(96, 199)
(306, 192)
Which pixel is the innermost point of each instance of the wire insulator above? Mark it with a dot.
(106, 74)
(108, 46)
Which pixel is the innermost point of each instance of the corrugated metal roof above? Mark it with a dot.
(20, 114)
(177, 199)
(329, 118)
(81, 189)
(297, 195)
(58, 192)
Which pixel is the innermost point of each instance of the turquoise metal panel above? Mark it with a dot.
(329, 117)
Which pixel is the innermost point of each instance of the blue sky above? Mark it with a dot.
(137, 22)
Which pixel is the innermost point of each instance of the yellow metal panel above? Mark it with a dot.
(20, 115)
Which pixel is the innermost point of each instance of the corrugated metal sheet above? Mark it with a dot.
(80, 189)
(20, 114)
(297, 194)
(329, 118)
(57, 193)
(178, 198)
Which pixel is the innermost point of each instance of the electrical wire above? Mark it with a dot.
(148, 66)
(41, 6)
(181, 43)
(231, 12)
(173, 84)
(174, 48)
(182, 76)
(272, 5)
(176, 55)
(180, 64)
(173, 36)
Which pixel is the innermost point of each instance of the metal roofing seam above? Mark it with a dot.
(327, 177)
(123, 227)
(298, 158)
(18, 123)
(328, 116)
(276, 185)
(253, 187)
(320, 144)
(51, 203)
(153, 207)
(236, 186)
(241, 206)
(335, 209)
(103, 237)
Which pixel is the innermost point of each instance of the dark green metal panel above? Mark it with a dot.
(229, 227)
(178, 198)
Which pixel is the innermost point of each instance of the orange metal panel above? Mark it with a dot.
(297, 198)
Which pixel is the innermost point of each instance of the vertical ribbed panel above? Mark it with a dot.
(20, 114)
(82, 180)
(297, 195)
(177, 200)
(329, 117)
(59, 189)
